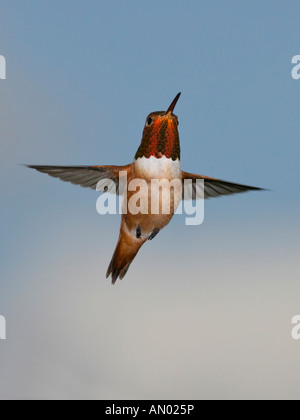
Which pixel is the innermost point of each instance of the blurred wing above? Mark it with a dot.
(213, 187)
(87, 176)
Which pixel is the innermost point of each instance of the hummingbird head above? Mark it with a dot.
(160, 135)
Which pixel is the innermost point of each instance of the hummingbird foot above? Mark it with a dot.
(138, 232)
(153, 234)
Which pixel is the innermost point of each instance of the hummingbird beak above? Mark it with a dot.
(173, 104)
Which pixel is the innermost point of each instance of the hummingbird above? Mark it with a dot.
(158, 157)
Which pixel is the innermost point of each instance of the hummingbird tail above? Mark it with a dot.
(125, 252)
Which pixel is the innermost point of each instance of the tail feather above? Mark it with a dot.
(125, 252)
(116, 270)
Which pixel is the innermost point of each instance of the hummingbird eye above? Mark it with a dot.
(149, 121)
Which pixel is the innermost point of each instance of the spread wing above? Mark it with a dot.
(211, 187)
(87, 176)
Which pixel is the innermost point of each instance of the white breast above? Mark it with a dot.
(161, 194)
(153, 167)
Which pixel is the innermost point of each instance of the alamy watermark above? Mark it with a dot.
(2, 328)
(2, 67)
(296, 69)
(153, 197)
(296, 328)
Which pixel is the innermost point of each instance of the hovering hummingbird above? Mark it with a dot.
(158, 156)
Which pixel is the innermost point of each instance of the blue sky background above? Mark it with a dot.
(204, 312)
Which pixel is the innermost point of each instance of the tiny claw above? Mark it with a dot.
(138, 232)
(153, 234)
